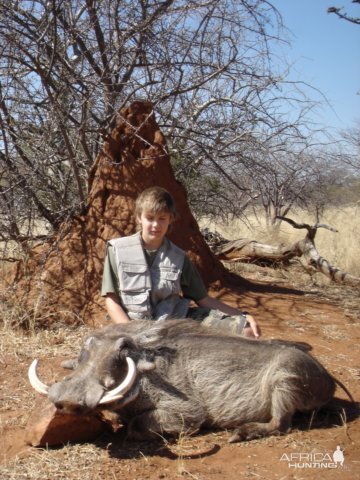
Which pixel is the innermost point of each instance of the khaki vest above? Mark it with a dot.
(154, 292)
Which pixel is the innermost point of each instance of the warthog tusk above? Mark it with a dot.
(35, 382)
(124, 386)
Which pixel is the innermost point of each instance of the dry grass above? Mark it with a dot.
(44, 343)
(340, 249)
(76, 462)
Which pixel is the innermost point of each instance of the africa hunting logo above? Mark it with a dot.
(314, 460)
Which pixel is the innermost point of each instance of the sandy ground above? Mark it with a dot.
(333, 332)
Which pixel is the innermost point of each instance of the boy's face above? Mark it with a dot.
(154, 227)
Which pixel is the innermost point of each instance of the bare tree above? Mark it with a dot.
(67, 67)
(350, 152)
(286, 170)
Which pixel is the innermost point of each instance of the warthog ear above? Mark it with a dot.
(84, 354)
(70, 364)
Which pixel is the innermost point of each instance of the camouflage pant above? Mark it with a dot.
(220, 321)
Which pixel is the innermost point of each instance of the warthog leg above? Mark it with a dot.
(252, 430)
(154, 423)
(283, 406)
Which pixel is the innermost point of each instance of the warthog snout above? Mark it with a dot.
(75, 398)
(84, 390)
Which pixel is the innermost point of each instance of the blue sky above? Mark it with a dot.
(325, 52)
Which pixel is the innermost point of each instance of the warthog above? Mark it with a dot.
(174, 376)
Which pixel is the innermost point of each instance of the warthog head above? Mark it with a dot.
(104, 373)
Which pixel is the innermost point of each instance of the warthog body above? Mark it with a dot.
(188, 377)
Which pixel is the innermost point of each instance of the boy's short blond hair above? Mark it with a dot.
(155, 200)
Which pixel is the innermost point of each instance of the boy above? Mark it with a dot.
(146, 276)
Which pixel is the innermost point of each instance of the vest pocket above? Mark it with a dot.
(165, 282)
(133, 277)
(135, 302)
(171, 275)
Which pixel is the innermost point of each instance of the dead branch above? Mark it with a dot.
(246, 250)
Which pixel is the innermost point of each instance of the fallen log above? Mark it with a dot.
(246, 250)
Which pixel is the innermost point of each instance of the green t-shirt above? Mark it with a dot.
(191, 282)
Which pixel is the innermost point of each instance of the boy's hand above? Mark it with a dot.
(253, 330)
